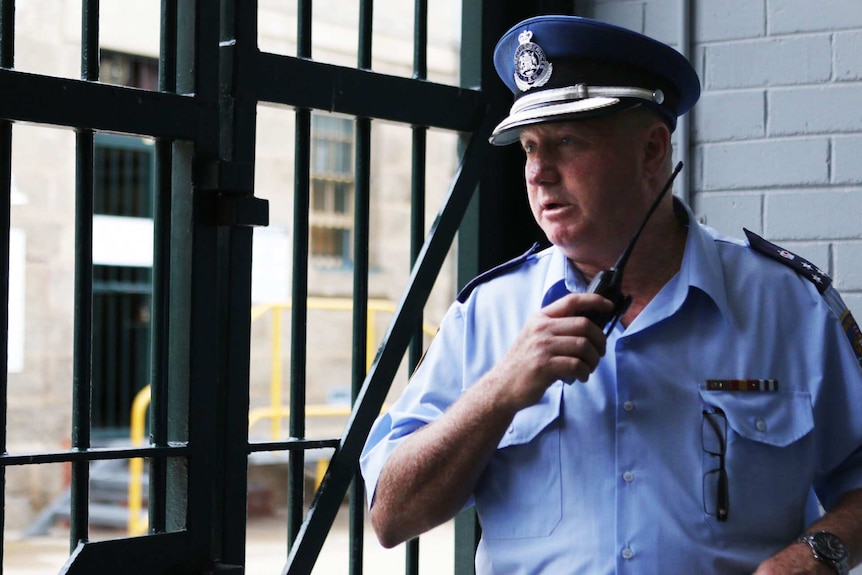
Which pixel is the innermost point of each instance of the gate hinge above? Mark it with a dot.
(242, 210)
(234, 183)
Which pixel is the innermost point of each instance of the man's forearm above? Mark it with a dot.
(845, 521)
(430, 476)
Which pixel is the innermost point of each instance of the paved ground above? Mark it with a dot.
(266, 551)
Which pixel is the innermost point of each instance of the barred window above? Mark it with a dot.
(332, 184)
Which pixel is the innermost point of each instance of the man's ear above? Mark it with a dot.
(657, 148)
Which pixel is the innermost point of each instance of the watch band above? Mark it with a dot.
(828, 548)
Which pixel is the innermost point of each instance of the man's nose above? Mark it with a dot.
(541, 168)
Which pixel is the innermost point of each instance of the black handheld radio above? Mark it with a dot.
(608, 283)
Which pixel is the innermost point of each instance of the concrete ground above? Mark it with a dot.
(266, 550)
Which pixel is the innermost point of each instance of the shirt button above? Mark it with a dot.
(629, 406)
(628, 553)
(628, 476)
(761, 425)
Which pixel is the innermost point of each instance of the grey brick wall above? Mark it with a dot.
(777, 135)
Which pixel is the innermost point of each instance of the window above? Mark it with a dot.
(331, 218)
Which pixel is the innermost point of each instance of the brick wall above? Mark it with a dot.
(777, 135)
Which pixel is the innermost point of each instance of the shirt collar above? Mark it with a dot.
(701, 264)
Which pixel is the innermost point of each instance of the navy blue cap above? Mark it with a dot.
(569, 67)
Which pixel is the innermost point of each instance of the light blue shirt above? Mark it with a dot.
(607, 476)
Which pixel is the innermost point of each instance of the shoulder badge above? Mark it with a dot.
(532, 69)
(494, 272)
(819, 279)
(805, 268)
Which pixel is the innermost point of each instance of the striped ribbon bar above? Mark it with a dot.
(742, 384)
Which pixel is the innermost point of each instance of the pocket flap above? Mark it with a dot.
(775, 418)
(531, 421)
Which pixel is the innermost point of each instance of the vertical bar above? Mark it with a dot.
(299, 317)
(7, 60)
(417, 212)
(82, 377)
(160, 322)
(361, 234)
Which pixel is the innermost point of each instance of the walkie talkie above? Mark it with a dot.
(608, 283)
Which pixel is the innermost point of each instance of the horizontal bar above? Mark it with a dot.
(93, 454)
(27, 97)
(292, 445)
(307, 84)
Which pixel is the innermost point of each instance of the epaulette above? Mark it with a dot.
(805, 268)
(494, 272)
(824, 285)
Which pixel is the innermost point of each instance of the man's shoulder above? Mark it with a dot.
(757, 261)
(797, 263)
(512, 266)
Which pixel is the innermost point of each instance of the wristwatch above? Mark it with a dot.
(828, 548)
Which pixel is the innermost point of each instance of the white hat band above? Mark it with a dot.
(583, 92)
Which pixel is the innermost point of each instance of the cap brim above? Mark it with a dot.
(508, 131)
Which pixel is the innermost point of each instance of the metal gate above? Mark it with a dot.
(212, 76)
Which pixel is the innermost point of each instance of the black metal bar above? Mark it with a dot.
(239, 29)
(162, 553)
(5, 222)
(366, 33)
(364, 93)
(7, 60)
(160, 322)
(299, 288)
(205, 255)
(82, 376)
(67, 102)
(417, 234)
(299, 319)
(7, 33)
(92, 454)
(292, 445)
(324, 508)
(361, 234)
(417, 215)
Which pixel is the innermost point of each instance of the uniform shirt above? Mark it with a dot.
(616, 475)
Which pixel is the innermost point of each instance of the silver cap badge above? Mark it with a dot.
(532, 68)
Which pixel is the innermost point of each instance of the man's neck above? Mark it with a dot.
(656, 258)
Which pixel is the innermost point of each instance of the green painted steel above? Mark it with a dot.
(212, 77)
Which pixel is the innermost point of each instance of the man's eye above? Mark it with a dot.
(565, 140)
(528, 148)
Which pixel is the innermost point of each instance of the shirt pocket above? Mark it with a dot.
(777, 418)
(520, 492)
(769, 449)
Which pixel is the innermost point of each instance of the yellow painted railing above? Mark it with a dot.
(138, 519)
(276, 411)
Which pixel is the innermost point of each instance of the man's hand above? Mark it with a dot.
(557, 342)
(795, 559)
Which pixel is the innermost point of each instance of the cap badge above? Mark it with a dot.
(532, 68)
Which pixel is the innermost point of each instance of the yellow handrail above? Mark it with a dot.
(276, 411)
(137, 522)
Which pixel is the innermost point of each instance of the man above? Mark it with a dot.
(689, 435)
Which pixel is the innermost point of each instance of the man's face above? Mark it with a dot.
(584, 185)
